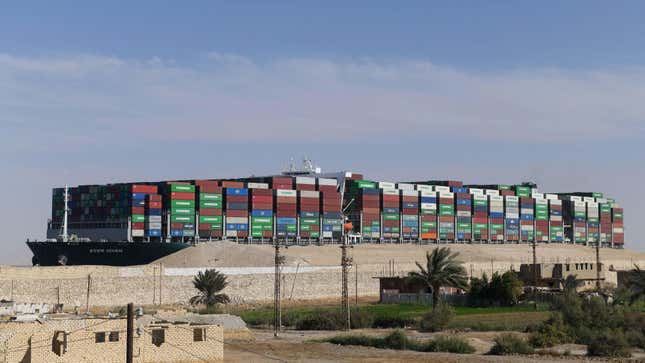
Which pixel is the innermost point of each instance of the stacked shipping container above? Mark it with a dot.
(309, 206)
(409, 211)
(182, 209)
(390, 206)
(286, 213)
(236, 197)
(512, 218)
(480, 215)
(210, 203)
(261, 219)
(428, 212)
(446, 213)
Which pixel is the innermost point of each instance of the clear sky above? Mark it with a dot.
(483, 91)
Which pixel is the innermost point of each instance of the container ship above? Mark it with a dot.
(136, 223)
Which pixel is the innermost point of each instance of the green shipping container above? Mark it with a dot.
(261, 220)
(182, 211)
(210, 204)
(429, 224)
(182, 188)
(521, 191)
(210, 219)
(314, 234)
(390, 217)
(137, 218)
(309, 221)
(182, 219)
(182, 204)
(210, 197)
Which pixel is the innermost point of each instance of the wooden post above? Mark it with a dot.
(87, 301)
(130, 334)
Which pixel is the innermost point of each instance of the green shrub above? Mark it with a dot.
(437, 319)
(552, 332)
(320, 320)
(392, 322)
(507, 344)
(397, 340)
(635, 338)
(359, 339)
(608, 344)
(453, 344)
(361, 319)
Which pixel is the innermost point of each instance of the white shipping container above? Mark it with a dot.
(512, 215)
(556, 218)
(442, 189)
(555, 201)
(305, 180)
(231, 233)
(526, 211)
(551, 196)
(476, 191)
(496, 198)
(601, 200)
(137, 233)
(237, 220)
(526, 228)
(421, 187)
(425, 193)
(480, 197)
(326, 181)
(285, 193)
(541, 202)
(536, 195)
(386, 185)
(154, 225)
(512, 199)
(463, 213)
(446, 195)
(309, 193)
(390, 192)
(257, 185)
(588, 199)
(409, 193)
(428, 206)
(327, 234)
(405, 186)
(618, 230)
(574, 198)
(491, 192)
(154, 219)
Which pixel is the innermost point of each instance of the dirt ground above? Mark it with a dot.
(300, 346)
(229, 254)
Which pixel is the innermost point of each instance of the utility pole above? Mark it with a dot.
(277, 308)
(345, 262)
(535, 279)
(356, 286)
(130, 334)
(598, 266)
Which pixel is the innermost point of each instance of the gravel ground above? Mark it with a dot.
(298, 346)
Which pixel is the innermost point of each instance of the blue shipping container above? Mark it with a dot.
(261, 213)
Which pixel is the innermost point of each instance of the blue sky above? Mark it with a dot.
(482, 91)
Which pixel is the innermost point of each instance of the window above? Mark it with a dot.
(568, 266)
(158, 337)
(591, 266)
(576, 267)
(199, 334)
(99, 337)
(114, 336)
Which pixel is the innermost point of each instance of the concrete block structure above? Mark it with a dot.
(75, 340)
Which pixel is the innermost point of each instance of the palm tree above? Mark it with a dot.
(636, 283)
(209, 283)
(441, 269)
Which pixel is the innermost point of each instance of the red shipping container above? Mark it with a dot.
(262, 198)
(232, 184)
(327, 189)
(149, 189)
(204, 226)
(262, 192)
(237, 198)
(216, 233)
(210, 212)
(242, 234)
(154, 205)
(138, 210)
(305, 187)
(409, 211)
(480, 220)
(154, 197)
(505, 193)
(237, 213)
(182, 196)
(138, 225)
(449, 201)
(286, 214)
(262, 206)
(446, 219)
(463, 207)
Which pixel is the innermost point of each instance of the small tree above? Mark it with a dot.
(571, 283)
(636, 283)
(441, 269)
(209, 283)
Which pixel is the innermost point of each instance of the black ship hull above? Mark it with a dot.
(100, 253)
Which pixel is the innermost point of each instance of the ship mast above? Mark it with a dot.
(66, 198)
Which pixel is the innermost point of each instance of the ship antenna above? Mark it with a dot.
(308, 165)
(66, 198)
